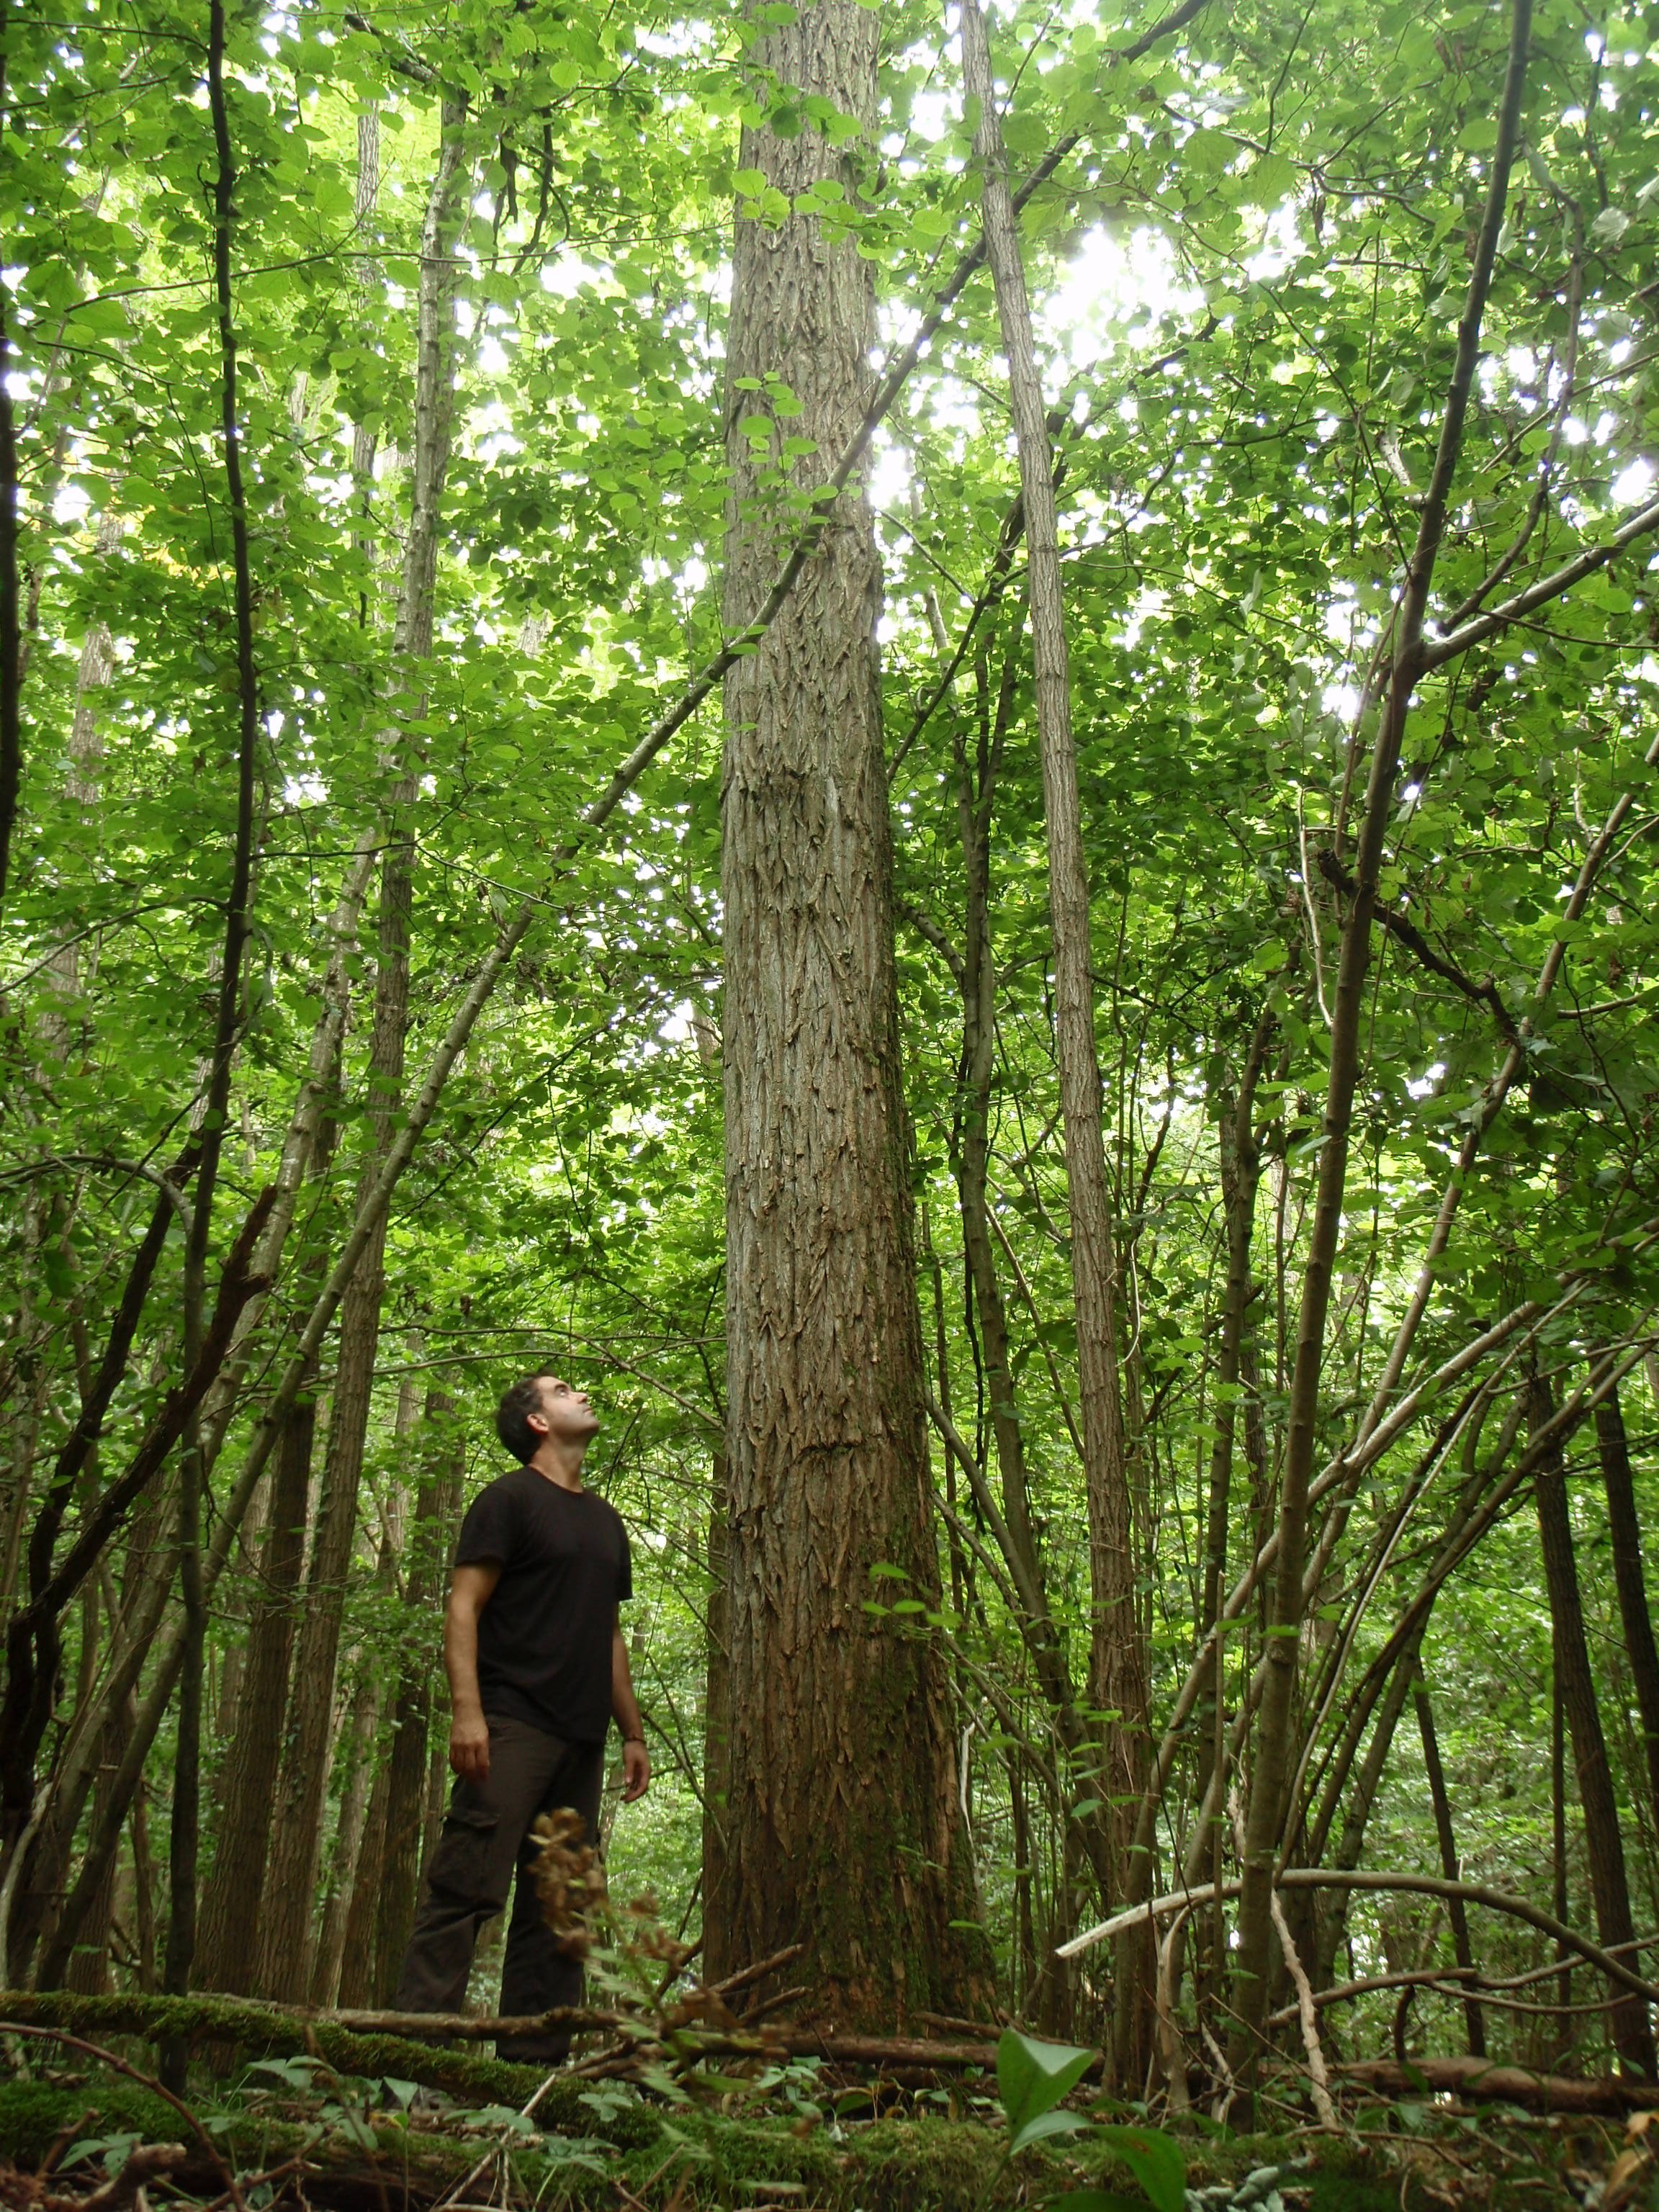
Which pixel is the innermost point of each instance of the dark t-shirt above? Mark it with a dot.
(544, 1637)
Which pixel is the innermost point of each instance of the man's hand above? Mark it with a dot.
(636, 1769)
(469, 1748)
(469, 1592)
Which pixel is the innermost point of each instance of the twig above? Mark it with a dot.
(1419, 1884)
(771, 2004)
(761, 1968)
(1412, 938)
(233, 2191)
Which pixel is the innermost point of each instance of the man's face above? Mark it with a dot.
(568, 1417)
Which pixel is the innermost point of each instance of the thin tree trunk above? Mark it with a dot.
(11, 637)
(1351, 1845)
(975, 974)
(232, 1901)
(842, 1825)
(1559, 1891)
(1275, 1751)
(1632, 2033)
(346, 1971)
(401, 1846)
(1456, 1910)
(1118, 1663)
(1628, 1578)
(187, 1755)
(298, 1832)
(345, 1947)
(364, 1783)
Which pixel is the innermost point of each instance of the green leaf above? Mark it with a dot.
(1033, 2076)
(1043, 2126)
(1156, 2161)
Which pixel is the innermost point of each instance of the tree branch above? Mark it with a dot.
(1486, 994)
(1477, 631)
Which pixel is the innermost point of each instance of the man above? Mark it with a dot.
(538, 1669)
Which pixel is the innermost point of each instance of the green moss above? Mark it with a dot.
(927, 2165)
(258, 2031)
(33, 2114)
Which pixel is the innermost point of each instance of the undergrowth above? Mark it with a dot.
(364, 2154)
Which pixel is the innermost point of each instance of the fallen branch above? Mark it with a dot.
(1418, 1885)
(888, 2050)
(1477, 2079)
(144, 2162)
(260, 2029)
(463, 2026)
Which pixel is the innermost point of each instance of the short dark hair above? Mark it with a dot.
(512, 1422)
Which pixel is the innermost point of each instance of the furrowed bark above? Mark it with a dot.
(827, 1450)
(1117, 1670)
(1275, 1752)
(1632, 2033)
(717, 1699)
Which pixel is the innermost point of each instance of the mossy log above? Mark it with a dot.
(263, 2030)
(1479, 2080)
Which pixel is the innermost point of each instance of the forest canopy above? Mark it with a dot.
(926, 740)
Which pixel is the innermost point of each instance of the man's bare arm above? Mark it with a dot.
(636, 1759)
(470, 1589)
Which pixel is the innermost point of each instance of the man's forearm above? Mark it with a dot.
(461, 1663)
(624, 1705)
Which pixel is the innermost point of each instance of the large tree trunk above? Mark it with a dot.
(1625, 1531)
(716, 1705)
(1609, 1888)
(841, 1832)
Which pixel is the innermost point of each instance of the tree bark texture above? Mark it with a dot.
(1633, 2034)
(717, 1704)
(841, 1825)
(1628, 1578)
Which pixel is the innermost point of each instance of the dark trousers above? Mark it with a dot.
(484, 1836)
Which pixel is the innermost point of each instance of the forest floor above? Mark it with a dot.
(78, 2137)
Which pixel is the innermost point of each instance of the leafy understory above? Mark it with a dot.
(296, 2132)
